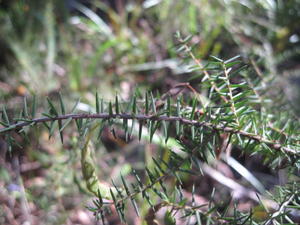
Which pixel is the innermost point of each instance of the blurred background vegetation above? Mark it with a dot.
(78, 47)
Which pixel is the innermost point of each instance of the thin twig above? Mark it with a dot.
(226, 73)
(206, 74)
(280, 210)
(272, 144)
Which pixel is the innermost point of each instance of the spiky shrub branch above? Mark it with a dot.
(224, 114)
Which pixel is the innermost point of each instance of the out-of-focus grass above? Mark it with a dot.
(94, 42)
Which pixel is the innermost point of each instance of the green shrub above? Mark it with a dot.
(235, 112)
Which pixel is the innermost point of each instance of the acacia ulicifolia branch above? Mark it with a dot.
(141, 117)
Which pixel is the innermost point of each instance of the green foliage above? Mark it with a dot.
(89, 172)
(231, 108)
(227, 106)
